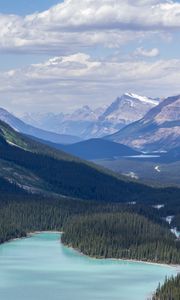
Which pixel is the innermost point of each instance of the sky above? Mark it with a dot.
(56, 56)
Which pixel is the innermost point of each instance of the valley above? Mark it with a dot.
(149, 171)
(110, 200)
(90, 150)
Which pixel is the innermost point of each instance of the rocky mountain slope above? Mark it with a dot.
(128, 108)
(159, 130)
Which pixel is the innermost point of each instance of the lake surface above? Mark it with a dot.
(41, 268)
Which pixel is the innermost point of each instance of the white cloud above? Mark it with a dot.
(66, 82)
(109, 14)
(146, 53)
(70, 79)
(72, 25)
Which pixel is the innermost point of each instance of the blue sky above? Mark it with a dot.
(59, 55)
(24, 7)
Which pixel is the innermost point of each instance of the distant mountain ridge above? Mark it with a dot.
(96, 149)
(22, 127)
(90, 123)
(158, 130)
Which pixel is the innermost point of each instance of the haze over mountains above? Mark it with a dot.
(96, 149)
(88, 123)
(138, 122)
(22, 127)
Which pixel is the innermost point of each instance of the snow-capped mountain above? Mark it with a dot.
(128, 108)
(158, 130)
(94, 123)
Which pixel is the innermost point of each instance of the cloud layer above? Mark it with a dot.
(78, 33)
(66, 82)
(72, 25)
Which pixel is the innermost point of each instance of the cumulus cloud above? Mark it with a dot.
(110, 14)
(146, 53)
(72, 25)
(65, 82)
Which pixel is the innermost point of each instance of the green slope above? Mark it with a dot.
(66, 175)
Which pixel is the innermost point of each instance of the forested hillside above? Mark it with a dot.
(122, 235)
(65, 175)
(176, 221)
(21, 212)
(103, 230)
(170, 290)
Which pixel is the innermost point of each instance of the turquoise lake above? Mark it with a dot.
(41, 268)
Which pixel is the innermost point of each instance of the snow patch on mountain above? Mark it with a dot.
(143, 98)
(128, 108)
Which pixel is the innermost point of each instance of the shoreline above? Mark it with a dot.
(46, 231)
(30, 234)
(177, 267)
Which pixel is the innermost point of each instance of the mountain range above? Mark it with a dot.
(88, 123)
(25, 128)
(158, 130)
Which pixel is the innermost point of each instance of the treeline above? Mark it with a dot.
(97, 229)
(170, 290)
(122, 235)
(21, 212)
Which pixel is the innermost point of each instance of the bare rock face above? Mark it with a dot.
(128, 108)
(159, 130)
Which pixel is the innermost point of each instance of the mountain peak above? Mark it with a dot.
(128, 108)
(4, 111)
(158, 130)
(142, 98)
(84, 113)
